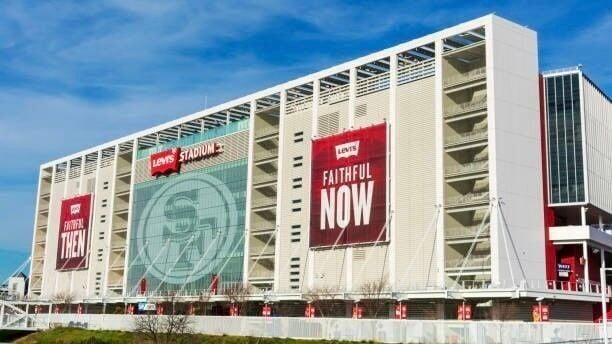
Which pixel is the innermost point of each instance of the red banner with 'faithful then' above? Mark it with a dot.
(73, 236)
(349, 188)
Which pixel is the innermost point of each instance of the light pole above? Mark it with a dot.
(540, 299)
(604, 314)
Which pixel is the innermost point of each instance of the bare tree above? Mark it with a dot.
(324, 299)
(65, 299)
(373, 297)
(164, 329)
(238, 293)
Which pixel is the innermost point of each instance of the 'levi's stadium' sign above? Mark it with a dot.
(348, 192)
(73, 236)
(170, 160)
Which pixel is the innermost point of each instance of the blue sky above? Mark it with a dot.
(75, 74)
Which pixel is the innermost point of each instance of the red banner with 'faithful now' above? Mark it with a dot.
(73, 236)
(349, 188)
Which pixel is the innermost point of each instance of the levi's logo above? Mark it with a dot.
(164, 162)
(75, 209)
(346, 150)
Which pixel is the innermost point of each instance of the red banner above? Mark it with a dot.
(401, 311)
(310, 311)
(165, 162)
(357, 312)
(540, 313)
(464, 312)
(348, 192)
(72, 239)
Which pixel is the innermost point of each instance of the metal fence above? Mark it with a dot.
(384, 330)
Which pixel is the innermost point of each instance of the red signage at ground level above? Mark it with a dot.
(73, 235)
(348, 190)
(464, 311)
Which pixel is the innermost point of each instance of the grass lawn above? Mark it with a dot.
(67, 335)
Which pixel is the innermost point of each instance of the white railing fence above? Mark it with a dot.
(384, 330)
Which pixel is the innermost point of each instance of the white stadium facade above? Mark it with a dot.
(442, 178)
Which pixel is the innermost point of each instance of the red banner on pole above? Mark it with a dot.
(349, 188)
(73, 235)
(545, 313)
(234, 311)
(214, 284)
(310, 311)
(357, 312)
(464, 311)
(401, 311)
(143, 286)
(266, 311)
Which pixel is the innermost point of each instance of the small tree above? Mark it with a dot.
(65, 299)
(164, 329)
(373, 295)
(238, 293)
(324, 299)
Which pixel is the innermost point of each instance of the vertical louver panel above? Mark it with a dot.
(416, 185)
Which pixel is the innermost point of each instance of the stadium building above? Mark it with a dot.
(442, 178)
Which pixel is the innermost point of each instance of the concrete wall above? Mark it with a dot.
(515, 155)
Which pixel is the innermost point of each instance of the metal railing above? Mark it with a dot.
(470, 136)
(461, 78)
(372, 84)
(263, 202)
(580, 286)
(469, 167)
(299, 104)
(457, 232)
(259, 133)
(471, 198)
(265, 154)
(264, 178)
(415, 71)
(606, 227)
(259, 226)
(334, 95)
(466, 107)
(483, 260)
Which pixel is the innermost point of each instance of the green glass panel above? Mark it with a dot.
(188, 227)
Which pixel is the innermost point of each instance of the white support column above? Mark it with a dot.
(59, 274)
(583, 211)
(585, 254)
(93, 224)
(352, 96)
(129, 218)
(498, 272)
(36, 209)
(316, 90)
(349, 269)
(249, 192)
(44, 275)
(80, 192)
(391, 170)
(439, 132)
(310, 261)
(310, 254)
(111, 220)
(279, 193)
